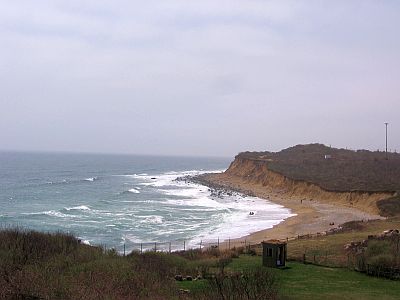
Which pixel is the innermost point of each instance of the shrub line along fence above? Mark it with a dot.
(183, 245)
(314, 256)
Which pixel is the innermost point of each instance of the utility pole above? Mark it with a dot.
(386, 123)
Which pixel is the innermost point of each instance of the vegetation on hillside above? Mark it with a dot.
(57, 266)
(37, 265)
(335, 169)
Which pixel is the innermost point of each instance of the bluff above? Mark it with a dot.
(362, 179)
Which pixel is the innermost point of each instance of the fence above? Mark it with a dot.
(317, 255)
(184, 245)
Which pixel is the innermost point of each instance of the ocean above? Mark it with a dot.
(129, 201)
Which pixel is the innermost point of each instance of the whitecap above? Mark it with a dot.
(91, 179)
(135, 191)
(51, 213)
(151, 219)
(168, 178)
(81, 207)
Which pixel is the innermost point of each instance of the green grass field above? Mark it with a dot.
(305, 281)
(301, 281)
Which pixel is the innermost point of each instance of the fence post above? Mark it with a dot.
(304, 258)
(169, 247)
(155, 247)
(141, 248)
(229, 243)
(218, 243)
(200, 243)
(184, 245)
(124, 249)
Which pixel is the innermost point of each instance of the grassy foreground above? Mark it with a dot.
(305, 281)
(56, 266)
(313, 282)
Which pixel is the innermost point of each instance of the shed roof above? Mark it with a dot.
(274, 242)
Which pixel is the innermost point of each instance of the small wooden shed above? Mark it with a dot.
(274, 253)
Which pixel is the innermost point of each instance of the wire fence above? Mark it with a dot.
(206, 244)
(182, 245)
(318, 255)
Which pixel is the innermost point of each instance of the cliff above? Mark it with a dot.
(359, 179)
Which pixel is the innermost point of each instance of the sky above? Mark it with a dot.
(208, 78)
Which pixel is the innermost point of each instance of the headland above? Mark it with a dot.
(325, 187)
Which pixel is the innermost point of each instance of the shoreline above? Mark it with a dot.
(311, 216)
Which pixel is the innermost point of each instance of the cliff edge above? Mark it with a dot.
(361, 179)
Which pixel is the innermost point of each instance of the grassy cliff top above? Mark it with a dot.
(334, 169)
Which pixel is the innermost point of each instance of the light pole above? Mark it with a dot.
(386, 139)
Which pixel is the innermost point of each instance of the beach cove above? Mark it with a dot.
(309, 216)
(323, 191)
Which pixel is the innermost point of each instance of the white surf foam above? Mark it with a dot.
(238, 222)
(151, 219)
(168, 178)
(91, 179)
(135, 191)
(80, 207)
(51, 213)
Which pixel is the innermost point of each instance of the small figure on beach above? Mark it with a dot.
(251, 213)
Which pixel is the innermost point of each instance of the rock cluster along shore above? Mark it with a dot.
(216, 190)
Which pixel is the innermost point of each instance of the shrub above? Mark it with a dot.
(255, 284)
(37, 265)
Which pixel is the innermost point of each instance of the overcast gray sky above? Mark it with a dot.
(198, 77)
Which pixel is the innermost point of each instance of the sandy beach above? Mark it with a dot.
(312, 216)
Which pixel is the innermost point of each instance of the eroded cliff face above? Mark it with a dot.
(253, 171)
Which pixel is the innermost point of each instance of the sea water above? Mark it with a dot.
(126, 201)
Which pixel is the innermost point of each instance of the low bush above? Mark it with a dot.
(37, 265)
(255, 284)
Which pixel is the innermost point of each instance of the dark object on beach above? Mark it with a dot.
(178, 277)
(251, 213)
(153, 178)
(189, 278)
